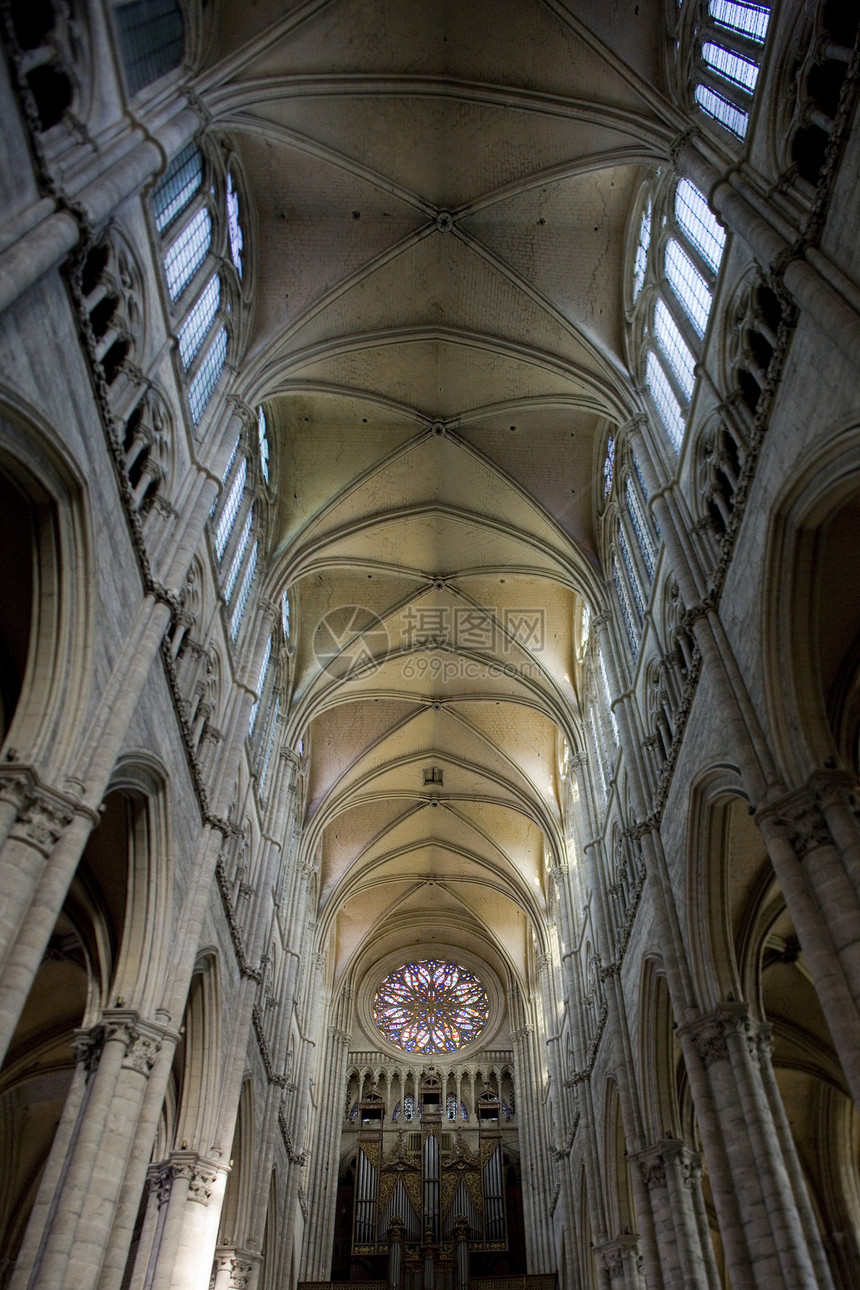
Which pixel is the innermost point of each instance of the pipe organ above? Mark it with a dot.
(427, 1196)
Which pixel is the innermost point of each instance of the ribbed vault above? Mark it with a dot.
(441, 201)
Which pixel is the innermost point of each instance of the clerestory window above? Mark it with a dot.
(193, 227)
(673, 291)
(729, 38)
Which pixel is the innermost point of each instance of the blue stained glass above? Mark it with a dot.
(233, 225)
(193, 331)
(674, 348)
(608, 466)
(733, 118)
(664, 400)
(688, 285)
(202, 388)
(626, 607)
(231, 506)
(631, 572)
(180, 182)
(732, 67)
(737, 15)
(431, 1006)
(639, 476)
(642, 245)
(244, 593)
(637, 518)
(187, 253)
(700, 224)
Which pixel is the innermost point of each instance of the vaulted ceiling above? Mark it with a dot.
(438, 230)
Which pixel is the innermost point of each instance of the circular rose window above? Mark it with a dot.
(431, 1007)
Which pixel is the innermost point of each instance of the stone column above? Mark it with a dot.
(71, 1220)
(534, 1147)
(765, 1238)
(672, 1175)
(322, 1188)
(298, 1121)
(813, 839)
(56, 232)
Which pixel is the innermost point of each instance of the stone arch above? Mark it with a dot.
(239, 1188)
(195, 1064)
(268, 1279)
(102, 967)
(811, 637)
(619, 1190)
(659, 1056)
(146, 940)
(45, 615)
(721, 828)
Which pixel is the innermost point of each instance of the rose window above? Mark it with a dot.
(431, 1007)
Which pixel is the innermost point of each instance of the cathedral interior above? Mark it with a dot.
(429, 664)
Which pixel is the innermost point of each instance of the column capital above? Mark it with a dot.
(615, 1253)
(712, 1031)
(799, 814)
(43, 812)
(200, 1174)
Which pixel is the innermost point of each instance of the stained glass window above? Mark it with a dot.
(674, 348)
(643, 537)
(664, 400)
(626, 607)
(244, 593)
(185, 256)
(263, 442)
(699, 223)
(739, 15)
(180, 182)
(431, 1006)
(231, 506)
(233, 225)
(688, 285)
(608, 466)
(199, 319)
(202, 387)
(642, 251)
(732, 117)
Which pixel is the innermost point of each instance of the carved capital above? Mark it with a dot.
(87, 1047)
(160, 1179)
(653, 1171)
(42, 814)
(711, 1032)
(801, 817)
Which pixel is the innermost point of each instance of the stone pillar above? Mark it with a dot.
(322, 1188)
(56, 233)
(185, 1182)
(621, 1262)
(813, 839)
(534, 1147)
(672, 1174)
(71, 1220)
(764, 1234)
